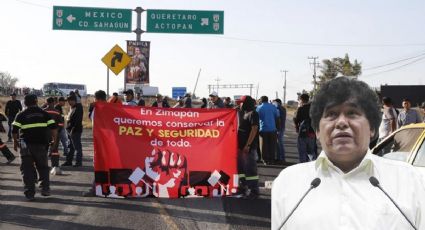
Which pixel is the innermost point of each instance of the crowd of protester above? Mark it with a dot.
(261, 130)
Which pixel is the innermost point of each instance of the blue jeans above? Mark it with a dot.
(75, 146)
(306, 146)
(63, 137)
(280, 146)
(9, 123)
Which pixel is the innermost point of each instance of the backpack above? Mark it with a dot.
(305, 129)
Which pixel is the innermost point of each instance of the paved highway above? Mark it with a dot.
(67, 209)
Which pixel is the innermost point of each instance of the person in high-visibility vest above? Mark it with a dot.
(247, 148)
(53, 151)
(33, 125)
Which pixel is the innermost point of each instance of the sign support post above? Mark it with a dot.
(138, 29)
(107, 83)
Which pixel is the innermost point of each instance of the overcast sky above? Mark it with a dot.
(260, 39)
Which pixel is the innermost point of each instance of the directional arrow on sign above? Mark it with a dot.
(117, 57)
(70, 18)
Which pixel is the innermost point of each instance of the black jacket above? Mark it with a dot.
(75, 123)
(12, 108)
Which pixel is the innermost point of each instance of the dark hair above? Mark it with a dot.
(264, 99)
(248, 104)
(62, 99)
(50, 100)
(406, 99)
(30, 100)
(304, 97)
(72, 98)
(100, 95)
(278, 101)
(115, 94)
(340, 90)
(387, 100)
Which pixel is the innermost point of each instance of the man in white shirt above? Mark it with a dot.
(388, 123)
(345, 115)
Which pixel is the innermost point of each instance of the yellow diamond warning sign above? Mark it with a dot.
(116, 59)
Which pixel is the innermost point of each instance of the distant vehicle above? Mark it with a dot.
(63, 89)
(405, 144)
(146, 90)
(292, 103)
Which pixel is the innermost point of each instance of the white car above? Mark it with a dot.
(405, 144)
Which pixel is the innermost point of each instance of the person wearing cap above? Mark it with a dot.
(129, 98)
(63, 136)
(12, 108)
(53, 151)
(215, 101)
(32, 126)
(74, 127)
(407, 115)
(160, 102)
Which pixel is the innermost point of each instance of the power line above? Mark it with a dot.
(395, 68)
(320, 44)
(395, 62)
(283, 42)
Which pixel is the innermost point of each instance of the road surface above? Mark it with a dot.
(66, 208)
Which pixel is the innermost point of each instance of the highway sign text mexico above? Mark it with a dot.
(92, 19)
(185, 21)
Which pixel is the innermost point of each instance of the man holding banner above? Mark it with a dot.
(160, 152)
(247, 148)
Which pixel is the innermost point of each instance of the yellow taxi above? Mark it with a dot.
(405, 144)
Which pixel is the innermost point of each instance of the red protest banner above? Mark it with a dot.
(164, 152)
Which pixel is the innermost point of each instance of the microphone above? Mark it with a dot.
(314, 183)
(375, 183)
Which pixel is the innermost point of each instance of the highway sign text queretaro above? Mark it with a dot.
(92, 19)
(185, 21)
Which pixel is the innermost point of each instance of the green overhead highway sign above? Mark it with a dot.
(185, 21)
(92, 19)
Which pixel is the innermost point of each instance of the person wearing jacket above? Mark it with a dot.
(75, 129)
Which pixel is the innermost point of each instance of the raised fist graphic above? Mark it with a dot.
(167, 170)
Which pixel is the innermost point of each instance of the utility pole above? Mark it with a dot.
(315, 64)
(217, 80)
(284, 85)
